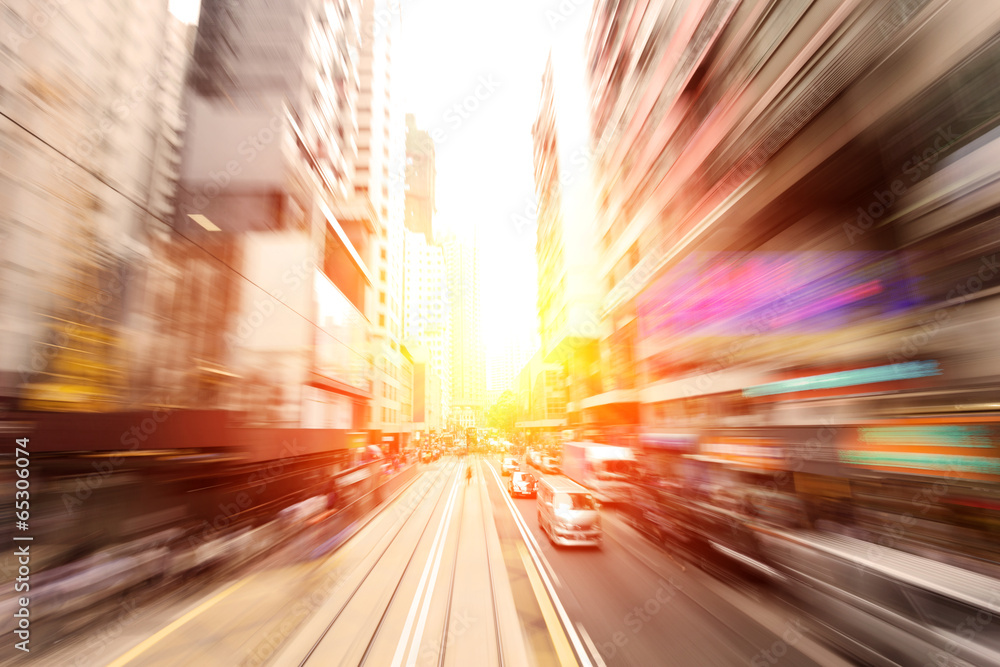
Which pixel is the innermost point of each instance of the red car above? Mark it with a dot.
(521, 484)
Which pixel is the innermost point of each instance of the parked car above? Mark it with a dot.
(521, 484)
(568, 513)
(509, 465)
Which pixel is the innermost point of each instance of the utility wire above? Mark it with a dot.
(181, 234)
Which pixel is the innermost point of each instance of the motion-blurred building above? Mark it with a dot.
(425, 391)
(541, 398)
(504, 365)
(567, 302)
(91, 141)
(805, 141)
(426, 298)
(421, 176)
(274, 255)
(468, 363)
(380, 179)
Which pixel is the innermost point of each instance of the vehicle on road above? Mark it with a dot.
(568, 513)
(607, 471)
(509, 465)
(522, 484)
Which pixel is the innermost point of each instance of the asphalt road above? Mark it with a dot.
(454, 572)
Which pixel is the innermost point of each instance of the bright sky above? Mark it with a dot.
(185, 10)
(485, 177)
(471, 73)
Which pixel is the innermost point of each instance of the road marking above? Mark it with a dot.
(418, 633)
(529, 540)
(590, 644)
(563, 649)
(133, 653)
(517, 517)
(404, 638)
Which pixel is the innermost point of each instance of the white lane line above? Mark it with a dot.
(518, 517)
(418, 634)
(590, 644)
(529, 540)
(404, 638)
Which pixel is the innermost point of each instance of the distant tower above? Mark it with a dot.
(420, 178)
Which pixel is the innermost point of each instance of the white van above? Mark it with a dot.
(568, 513)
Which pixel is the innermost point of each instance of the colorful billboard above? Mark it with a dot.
(741, 294)
(952, 450)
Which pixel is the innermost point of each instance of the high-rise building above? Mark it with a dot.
(567, 299)
(468, 363)
(424, 390)
(742, 150)
(379, 180)
(541, 397)
(420, 179)
(266, 183)
(426, 297)
(427, 304)
(89, 169)
(505, 364)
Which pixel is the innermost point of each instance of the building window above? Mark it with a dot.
(381, 297)
(381, 320)
(384, 253)
(381, 275)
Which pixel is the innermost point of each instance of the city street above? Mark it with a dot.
(454, 572)
(364, 332)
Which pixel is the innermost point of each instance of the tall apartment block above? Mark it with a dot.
(274, 267)
(468, 362)
(426, 296)
(90, 145)
(568, 323)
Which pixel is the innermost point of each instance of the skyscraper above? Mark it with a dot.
(379, 181)
(567, 300)
(77, 227)
(468, 363)
(420, 179)
(267, 176)
(426, 296)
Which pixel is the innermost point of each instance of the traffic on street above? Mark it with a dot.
(506, 334)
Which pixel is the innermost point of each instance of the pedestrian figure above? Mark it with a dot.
(468, 473)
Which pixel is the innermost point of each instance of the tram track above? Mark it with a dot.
(307, 658)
